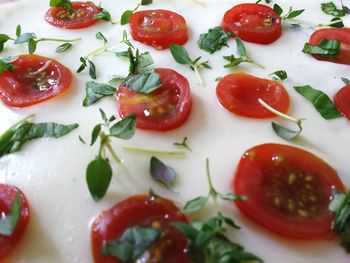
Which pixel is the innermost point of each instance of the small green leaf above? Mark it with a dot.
(104, 15)
(100, 36)
(83, 64)
(293, 14)
(122, 54)
(96, 91)
(66, 4)
(146, 2)
(98, 177)
(3, 39)
(195, 204)
(232, 196)
(9, 222)
(103, 115)
(284, 132)
(279, 75)
(6, 66)
(278, 9)
(331, 9)
(336, 22)
(162, 173)
(214, 40)
(31, 46)
(144, 83)
(116, 78)
(189, 231)
(92, 69)
(25, 37)
(95, 133)
(125, 128)
(125, 18)
(241, 48)
(345, 80)
(18, 30)
(183, 144)
(180, 54)
(320, 100)
(327, 48)
(63, 47)
(145, 63)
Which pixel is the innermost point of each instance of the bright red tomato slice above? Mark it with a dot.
(144, 211)
(239, 94)
(253, 23)
(166, 108)
(35, 79)
(7, 196)
(82, 15)
(342, 101)
(340, 34)
(288, 190)
(158, 28)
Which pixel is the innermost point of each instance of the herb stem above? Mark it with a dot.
(112, 152)
(58, 39)
(199, 77)
(153, 152)
(212, 191)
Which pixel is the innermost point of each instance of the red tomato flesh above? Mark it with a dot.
(288, 190)
(82, 15)
(35, 79)
(166, 108)
(7, 196)
(340, 34)
(158, 28)
(253, 23)
(239, 94)
(144, 211)
(342, 101)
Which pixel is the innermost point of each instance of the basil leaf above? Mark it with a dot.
(100, 36)
(146, 2)
(346, 81)
(104, 15)
(3, 39)
(330, 9)
(6, 66)
(125, 128)
(293, 14)
(25, 37)
(145, 64)
(95, 133)
(320, 100)
(189, 231)
(92, 69)
(180, 54)
(9, 222)
(98, 177)
(144, 83)
(134, 241)
(279, 75)
(63, 47)
(284, 132)
(278, 9)
(18, 30)
(336, 22)
(115, 78)
(125, 18)
(195, 204)
(214, 40)
(66, 4)
(162, 173)
(327, 48)
(96, 91)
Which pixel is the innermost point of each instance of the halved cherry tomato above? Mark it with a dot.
(143, 211)
(288, 190)
(82, 15)
(340, 34)
(8, 194)
(342, 101)
(253, 23)
(158, 28)
(35, 79)
(239, 94)
(164, 109)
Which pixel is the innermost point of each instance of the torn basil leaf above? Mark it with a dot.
(6, 66)
(125, 128)
(285, 133)
(162, 173)
(132, 244)
(331, 9)
(9, 222)
(96, 91)
(146, 2)
(66, 4)
(320, 100)
(327, 48)
(63, 47)
(195, 204)
(144, 83)
(336, 22)
(144, 63)
(279, 75)
(214, 40)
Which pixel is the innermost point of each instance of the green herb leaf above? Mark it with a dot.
(195, 204)
(9, 222)
(162, 173)
(98, 177)
(25, 37)
(3, 39)
(232, 196)
(116, 78)
(345, 80)
(214, 40)
(144, 83)
(96, 91)
(146, 2)
(92, 69)
(100, 36)
(63, 47)
(145, 63)
(278, 9)
(122, 54)
(104, 15)
(125, 18)
(83, 64)
(183, 144)
(125, 128)
(284, 132)
(6, 66)
(292, 14)
(279, 75)
(346, 9)
(134, 241)
(331, 9)
(320, 100)
(103, 115)
(180, 54)
(336, 22)
(66, 4)
(327, 48)
(32, 46)
(18, 30)
(95, 133)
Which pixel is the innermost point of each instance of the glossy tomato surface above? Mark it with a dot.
(143, 211)
(288, 190)
(253, 23)
(166, 108)
(158, 28)
(239, 94)
(82, 15)
(342, 101)
(34, 80)
(7, 196)
(340, 34)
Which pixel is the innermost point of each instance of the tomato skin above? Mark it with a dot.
(173, 99)
(86, 20)
(269, 171)
(239, 94)
(7, 196)
(140, 210)
(253, 23)
(158, 28)
(342, 101)
(340, 34)
(18, 88)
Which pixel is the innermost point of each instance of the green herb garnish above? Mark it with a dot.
(162, 173)
(331, 9)
(4, 66)
(125, 18)
(63, 47)
(154, 152)
(96, 91)
(327, 48)
(66, 4)
(346, 81)
(279, 75)
(9, 222)
(214, 40)
(290, 14)
(183, 144)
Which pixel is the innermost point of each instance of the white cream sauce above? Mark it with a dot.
(52, 172)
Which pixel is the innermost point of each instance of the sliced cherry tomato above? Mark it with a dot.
(82, 15)
(158, 28)
(34, 80)
(7, 196)
(288, 190)
(340, 34)
(239, 94)
(342, 101)
(164, 109)
(253, 23)
(143, 211)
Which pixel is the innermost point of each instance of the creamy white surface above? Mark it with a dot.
(52, 172)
